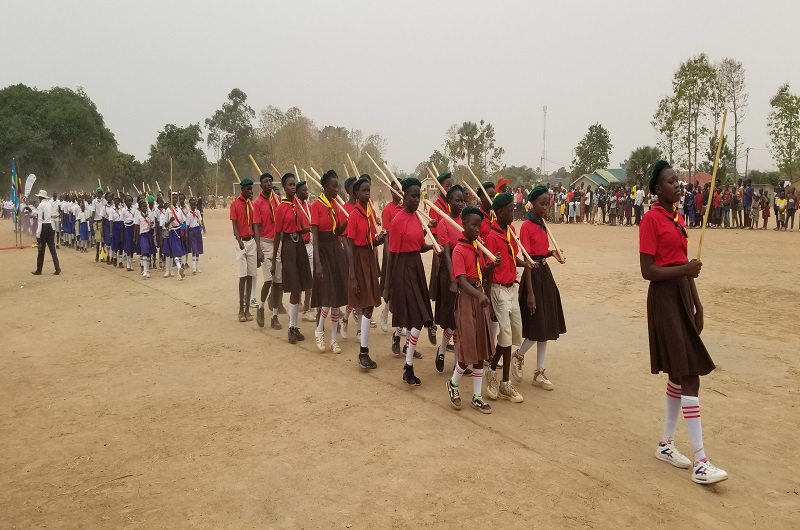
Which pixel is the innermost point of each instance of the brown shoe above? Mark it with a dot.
(242, 317)
(248, 317)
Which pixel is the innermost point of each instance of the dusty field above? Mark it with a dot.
(131, 403)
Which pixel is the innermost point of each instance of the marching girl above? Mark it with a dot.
(184, 233)
(444, 315)
(143, 234)
(546, 321)
(474, 335)
(117, 232)
(295, 268)
(486, 208)
(329, 291)
(83, 219)
(128, 232)
(363, 278)
(406, 285)
(155, 215)
(107, 232)
(387, 214)
(98, 207)
(305, 220)
(349, 206)
(194, 228)
(675, 321)
(171, 220)
(446, 181)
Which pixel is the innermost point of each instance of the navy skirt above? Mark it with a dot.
(146, 244)
(127, 240)
(85, 231)
(174, 244)
(117, 241)
(196, 240)
(106, 231)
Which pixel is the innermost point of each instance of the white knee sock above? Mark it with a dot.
(525, 346)
(146, 263)
(130, 262)
(294, 310)
(691, 413)
(178, 262)
(364, 331)
(411, 342)
(673, 409)
(477, 381)
(323, 315)
(448, 334)
(541, 351)
(458, 373)
(495, 330)
(334, 323)
(195, 262)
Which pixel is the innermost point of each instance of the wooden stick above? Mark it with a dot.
(276, 170)
(159, 186)
(98, 184)
(356, 174)
(255, 165)
(137, 190)
(190, 192)
(143, 187)
(436, 181)
(713, 181)
(559, 254)
(236, 174)
(338, 200)
(425, 227)
(458, 227)
(434, 167)
(346, 172)
(296, 175)
(170, 176)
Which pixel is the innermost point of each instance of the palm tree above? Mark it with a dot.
(468, 142)
(641, 162)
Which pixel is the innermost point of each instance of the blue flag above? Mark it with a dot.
(14, 194)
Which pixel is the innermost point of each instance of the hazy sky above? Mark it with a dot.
(406, 69)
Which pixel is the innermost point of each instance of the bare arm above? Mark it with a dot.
(654, 273)
(236, 235)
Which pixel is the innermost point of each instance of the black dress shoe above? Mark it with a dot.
(260, 317)
(58, 271)
(292, 336)
(432, 335)
(36, 273)
(275, 324)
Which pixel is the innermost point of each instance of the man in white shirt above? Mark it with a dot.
(45, 235)
(638, 202)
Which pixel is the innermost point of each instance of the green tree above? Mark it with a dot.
(730, 75)
(230, 130)
(692, 85)
(521, 176)
(641, 161)
(181, 144)
(593, 151)
(784, 131)
(666, 121)
(726, 160)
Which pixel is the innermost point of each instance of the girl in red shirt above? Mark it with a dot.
(329, 291)
(363, 279)
(295, 268)
(387, 215)
(675, 321)
(448, 236)
(446, 181)
(546, 322)
(301, 195)
(406, 285)
(474, 337)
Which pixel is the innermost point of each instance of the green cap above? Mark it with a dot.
(246, 182)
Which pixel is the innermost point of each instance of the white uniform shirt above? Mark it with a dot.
(127, 215)
(172, 218)
(194, 219)
(45, 213)
(97, 208)
(145, 221)
(114, 214)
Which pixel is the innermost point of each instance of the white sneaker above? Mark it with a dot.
(147, 276)
(541, 380)
(180, 278)
(507, 391)
(373, 324)
(171, 274)
(335, 348)
(706, 473)
(384, 321)
(319, 337)
(666, 452)
(517, 362)
(491, 383)
(166, 274)
(343, 328)
(308, 317)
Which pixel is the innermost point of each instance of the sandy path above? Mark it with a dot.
(222, 424)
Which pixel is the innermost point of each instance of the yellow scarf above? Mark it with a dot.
(324, 200)
(478, 261)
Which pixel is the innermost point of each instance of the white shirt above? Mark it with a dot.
(126, 215)
(145, 221)
(45, 213)
(114, 214)
(639, 197)
(194, 218)
(97, 208)
(168, 218)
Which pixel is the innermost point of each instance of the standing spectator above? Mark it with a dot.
(780, 217)
(749, 196)
(45, 235)
(639, 202)
(727, 197)
(791, 206)
(765, 215)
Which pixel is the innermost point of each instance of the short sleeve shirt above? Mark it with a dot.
(287, 217)
(534, 238)
(661, 238)
(388, 213)
(447, 232)
(465, 260)
(264, 215)
(498, 243)
(359, 227)
(322, 216)
(242, 213)
(440, 203)
(407, 234)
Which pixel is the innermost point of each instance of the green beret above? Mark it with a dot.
(300, 183)
(150, 198)
(471, 210)
(454, 188)
(360, 182)
(246, 182)
(658, 167)
(365, 176)
(265, 176)
(410, 181)
(488, 184)
(100, 190)
(501, 200)
(349, 182)
(444, 176)
(536, 191)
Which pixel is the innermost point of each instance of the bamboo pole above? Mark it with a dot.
(295, 171)
(460, 228)
(435, 168)
(353, 164)
(346, 172)
(170, 176)
(137, 190)
(338, 200)
(255, 165)
(235, 173)
(159, 186)
(190, 192)
(98, 184)
(436, 181)
(144, 189)
(713, 181)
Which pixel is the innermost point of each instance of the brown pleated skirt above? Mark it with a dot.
(331, 289)
(411, 307)
(365, 268)
(444, 314)
(547, 323)
(675, 344)
(473, 329)
(296, 270)
(433, 286)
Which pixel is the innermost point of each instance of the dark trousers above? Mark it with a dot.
(638, 210)
(47, 238)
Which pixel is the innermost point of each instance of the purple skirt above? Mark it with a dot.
(196, 240)
(116, 236)
(127, 240)
(106, 231)
(84, 231)
(146, 244)
(174, 245)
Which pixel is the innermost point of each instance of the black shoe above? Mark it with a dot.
(439, 362)
(467, 372)
(292, 336)
(247, 314)
(432, 335)
(58, 271)
(36, 273)
(260, 317)
(365, 362)
(450, 347)
(241, 314)
(275, 324)
(409, 377)
(299, 335)
(396, 346)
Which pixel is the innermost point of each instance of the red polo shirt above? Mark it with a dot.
(498, 243)
(447, 233)
(322, 216)
(359, 227)
(465, 260)
(440, 203)
(388, 213)
(407, 234)
(305, 218)
(534, 238)
(242, 213)
(486, 224)
(287, 217)
(661, 238)
(264, 215)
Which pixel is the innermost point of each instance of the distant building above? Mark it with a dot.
(601, 177)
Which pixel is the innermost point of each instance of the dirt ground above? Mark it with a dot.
(132, 403)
